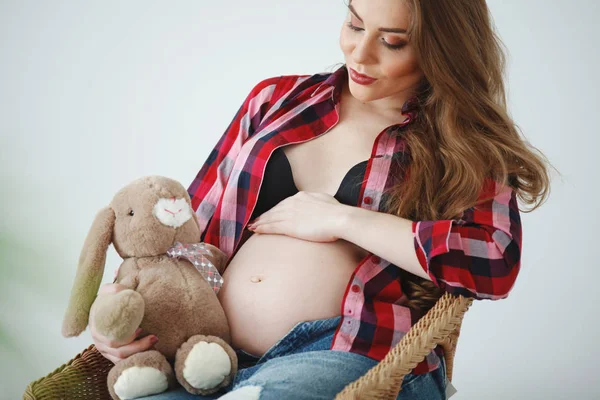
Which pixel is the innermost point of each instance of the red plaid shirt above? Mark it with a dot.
(475, 256)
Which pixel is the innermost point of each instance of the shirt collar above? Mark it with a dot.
(339, 77)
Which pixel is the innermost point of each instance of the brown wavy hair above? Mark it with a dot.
(463, 132)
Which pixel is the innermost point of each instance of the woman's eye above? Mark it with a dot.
(394, 46)
(354, 28)
(130, 213)
(386, 44)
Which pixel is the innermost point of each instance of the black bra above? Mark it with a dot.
(278, 183)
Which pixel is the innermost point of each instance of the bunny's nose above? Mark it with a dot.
(172, 212)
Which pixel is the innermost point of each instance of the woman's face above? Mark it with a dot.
(374, 42)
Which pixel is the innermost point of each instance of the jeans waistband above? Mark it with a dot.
(301, 334)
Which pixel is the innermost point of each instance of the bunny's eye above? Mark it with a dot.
(130, 213)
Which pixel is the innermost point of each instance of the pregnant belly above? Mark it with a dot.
(275, 281)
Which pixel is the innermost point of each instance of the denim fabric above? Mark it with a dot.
(302, 366)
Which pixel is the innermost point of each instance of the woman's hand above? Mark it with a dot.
(306, 215)
(117, 351)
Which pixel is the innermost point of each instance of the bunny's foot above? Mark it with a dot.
(141, 374)
(205, 364)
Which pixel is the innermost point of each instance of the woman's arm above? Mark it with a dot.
(477, 255)
(385, 235)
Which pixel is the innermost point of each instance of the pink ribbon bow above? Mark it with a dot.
(196, 254)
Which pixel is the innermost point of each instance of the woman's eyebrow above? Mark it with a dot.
(391, 30)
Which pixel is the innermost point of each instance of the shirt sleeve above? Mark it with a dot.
(208, 185)
(479, 254)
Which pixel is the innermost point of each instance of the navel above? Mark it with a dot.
(255, 279)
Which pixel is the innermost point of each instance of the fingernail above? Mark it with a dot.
(153, 339)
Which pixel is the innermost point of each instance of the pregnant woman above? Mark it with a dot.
(348, 202)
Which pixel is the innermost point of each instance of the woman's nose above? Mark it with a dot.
(362, 51)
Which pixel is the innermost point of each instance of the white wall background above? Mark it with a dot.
(94, 94)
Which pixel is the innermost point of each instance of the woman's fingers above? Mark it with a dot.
(113, 359)
(119, 353)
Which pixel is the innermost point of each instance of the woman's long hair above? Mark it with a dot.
(463, 132)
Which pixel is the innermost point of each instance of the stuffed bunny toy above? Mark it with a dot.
(152, 226)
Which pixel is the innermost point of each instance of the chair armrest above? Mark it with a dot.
(440, 325)
(84, 377)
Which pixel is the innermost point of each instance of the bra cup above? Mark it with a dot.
(278, 183)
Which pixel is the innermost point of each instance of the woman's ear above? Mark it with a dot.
(89, 273)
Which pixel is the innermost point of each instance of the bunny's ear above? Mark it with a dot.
(89, 273)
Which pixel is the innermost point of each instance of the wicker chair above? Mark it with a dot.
(84, 377)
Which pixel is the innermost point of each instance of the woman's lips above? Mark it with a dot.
(361, 79)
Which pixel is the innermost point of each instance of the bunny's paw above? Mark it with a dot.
(204, 364)
(140, 375)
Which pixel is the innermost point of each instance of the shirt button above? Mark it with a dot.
(368, 200)
(376, 259)
(355, 288)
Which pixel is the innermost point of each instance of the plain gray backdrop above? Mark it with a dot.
(94, 94)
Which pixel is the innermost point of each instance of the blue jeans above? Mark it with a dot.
(302, 366)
